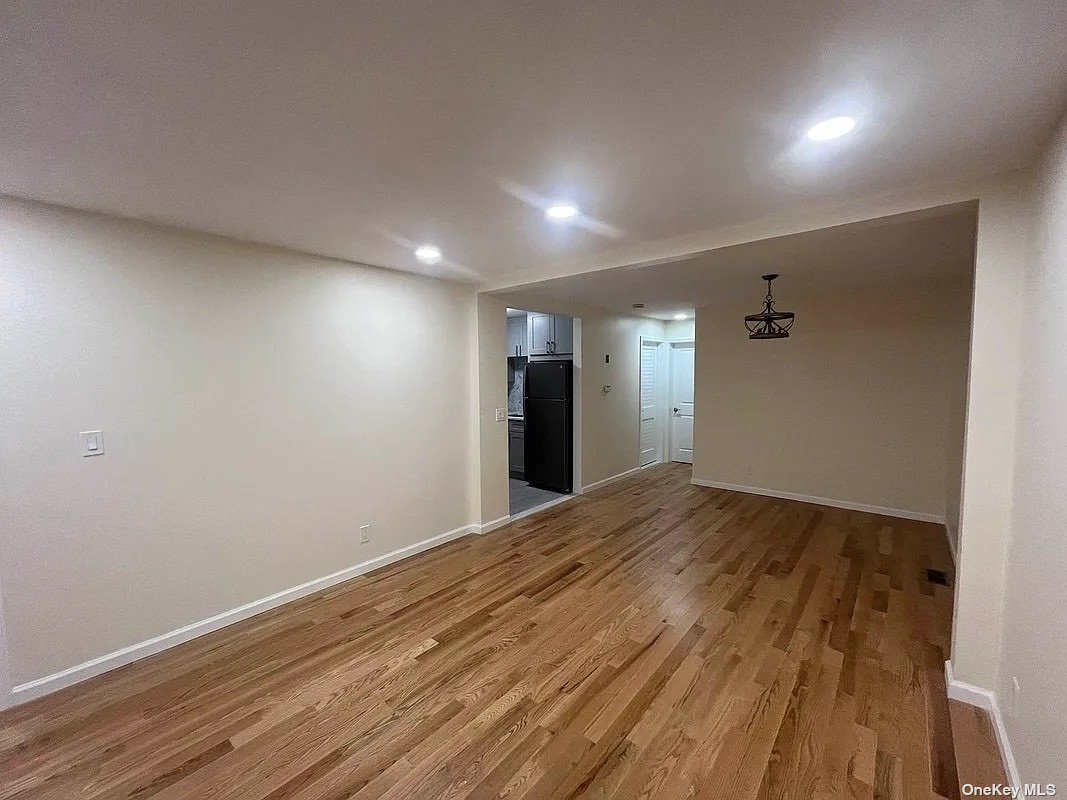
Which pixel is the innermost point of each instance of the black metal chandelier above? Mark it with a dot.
(768, 323)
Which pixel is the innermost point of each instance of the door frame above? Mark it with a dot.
(662, 389)
(687, 342)
(576, 421)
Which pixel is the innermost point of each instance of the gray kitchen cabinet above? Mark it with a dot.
(518, 344)
(540, 328)
(562, 335)
(550, 334)
(516, 448)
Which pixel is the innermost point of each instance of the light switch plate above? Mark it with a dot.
(92, 443)
(501, 415)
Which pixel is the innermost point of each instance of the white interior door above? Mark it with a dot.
(650, 405)
(682, 363)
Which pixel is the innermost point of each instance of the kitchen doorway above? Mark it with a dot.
(543, 398)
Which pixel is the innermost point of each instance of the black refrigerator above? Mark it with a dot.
(548, 411)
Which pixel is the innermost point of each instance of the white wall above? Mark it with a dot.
(1035, 620)
(856, 406)
(257, 406)
(680, 329)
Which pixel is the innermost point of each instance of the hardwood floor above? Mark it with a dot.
(977, 754)
(651, 639)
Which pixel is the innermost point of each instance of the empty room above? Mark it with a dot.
(533, 400)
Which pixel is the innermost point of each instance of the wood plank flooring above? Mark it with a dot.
(977, 753)
(650, 640)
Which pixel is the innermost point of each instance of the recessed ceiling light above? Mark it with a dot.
(561, 212)
(428, 253)
(681, 316)
(831, 129)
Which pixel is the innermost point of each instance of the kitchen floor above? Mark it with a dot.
(523, 496)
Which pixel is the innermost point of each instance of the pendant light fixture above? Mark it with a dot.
(768, 323)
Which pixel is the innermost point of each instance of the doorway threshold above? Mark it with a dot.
(527, 512)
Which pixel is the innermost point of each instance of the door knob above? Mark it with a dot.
(676, 409)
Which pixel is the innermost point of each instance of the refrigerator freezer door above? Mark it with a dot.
(550, 380)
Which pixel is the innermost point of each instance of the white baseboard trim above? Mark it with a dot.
(31, 690)
(983, 698)
(823, 501)
(499, 522)
(597, 484)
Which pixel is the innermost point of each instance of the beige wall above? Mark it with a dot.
(957, 353)
(1002, 262)
(1035, 622)
(954, 466)
(855, 406)
(257, 406)
(611, 421)
(492, 480)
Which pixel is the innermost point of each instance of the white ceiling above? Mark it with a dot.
(934, 247)
(358, 129)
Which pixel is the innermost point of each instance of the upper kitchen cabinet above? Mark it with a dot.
(562, 335)
(518, 344)
(550, 334)
(540, 326)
